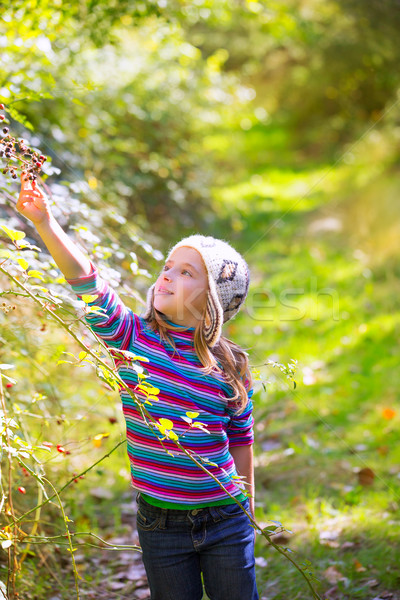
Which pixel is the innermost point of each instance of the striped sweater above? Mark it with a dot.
(162, 478)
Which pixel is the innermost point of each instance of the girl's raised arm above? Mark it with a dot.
(34, 205)
(115, 323)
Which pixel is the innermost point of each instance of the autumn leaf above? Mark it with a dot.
(366, 476)
(200, 425)
(97, 440)
(88, 298)
(358, 566)
(37, 274)
(192, 415)
(13, 234)
(388, 413)
(23, 263)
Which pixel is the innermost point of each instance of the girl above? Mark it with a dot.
(190, 530)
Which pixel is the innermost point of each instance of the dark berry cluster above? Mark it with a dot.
(28, 161)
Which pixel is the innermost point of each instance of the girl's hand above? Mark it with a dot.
(33, 202)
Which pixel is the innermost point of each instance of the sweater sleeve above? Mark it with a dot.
(116, 324)
(240, 427)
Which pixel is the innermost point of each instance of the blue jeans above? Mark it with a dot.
(178, 545)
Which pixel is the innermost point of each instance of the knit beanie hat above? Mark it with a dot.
(228, 282)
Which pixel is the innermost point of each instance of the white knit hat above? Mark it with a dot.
(228, 281)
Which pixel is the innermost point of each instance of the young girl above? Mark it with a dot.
(190, 530)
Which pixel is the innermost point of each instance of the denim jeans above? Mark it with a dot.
(178, 545)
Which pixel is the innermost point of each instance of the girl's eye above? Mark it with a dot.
(184, 270)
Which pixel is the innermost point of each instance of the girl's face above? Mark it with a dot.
(185, 276)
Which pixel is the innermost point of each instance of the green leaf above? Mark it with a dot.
(17, 116)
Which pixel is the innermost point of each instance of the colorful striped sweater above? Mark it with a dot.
(163, 479)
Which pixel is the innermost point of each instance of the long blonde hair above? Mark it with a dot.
(234, 360)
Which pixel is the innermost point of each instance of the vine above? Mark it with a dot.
(11, 534)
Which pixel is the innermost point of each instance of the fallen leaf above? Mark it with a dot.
(358, 566)
(333, 575)
(366, 476)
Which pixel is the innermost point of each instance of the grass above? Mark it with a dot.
(324, 292)
(342, 327)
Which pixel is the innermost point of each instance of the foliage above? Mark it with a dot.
(271, 124)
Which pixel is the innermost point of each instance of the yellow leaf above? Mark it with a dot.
(200, 426)
(87, 298)
(13, 233)
(37, 274)
(82, 355)
(154, 398)
(98, 439)
(192, 415)
(166, 423)
(147, 389)
(99, 436)
(92, 181)
(96, 309)
(24, 263)
(172, 435)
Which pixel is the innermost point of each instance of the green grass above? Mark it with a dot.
(328, 299)
(342, 327)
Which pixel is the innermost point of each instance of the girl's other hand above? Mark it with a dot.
(33, 202)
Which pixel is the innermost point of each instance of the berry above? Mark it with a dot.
(47, 444)
(22, 490)
(1, 106)
(43, 157)
(60, 448)
(6, 130)
(9, 385)
(39, 164)
(2, 117)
